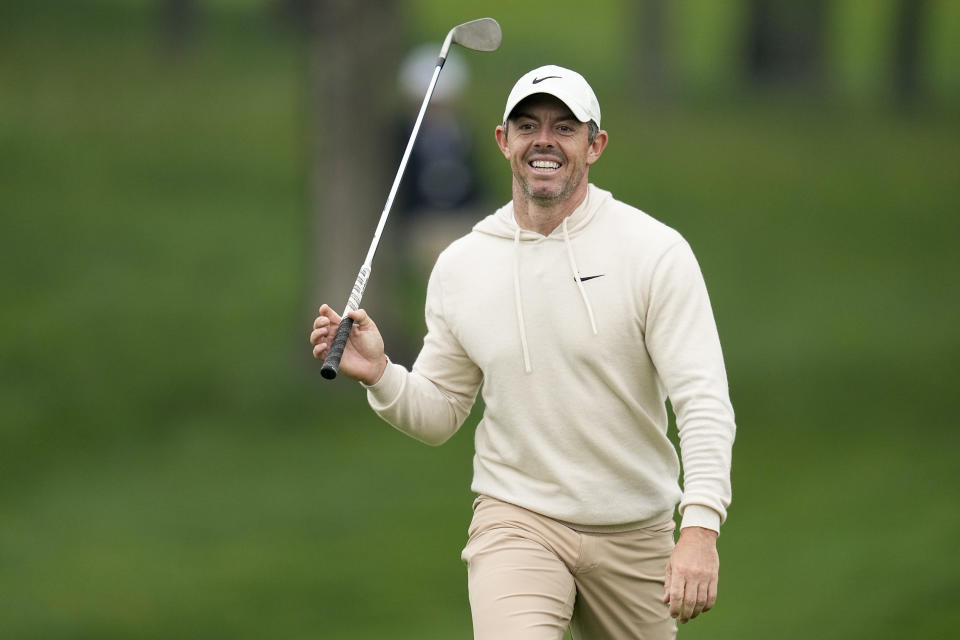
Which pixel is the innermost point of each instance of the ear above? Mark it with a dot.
(501, 135)
(597, 147)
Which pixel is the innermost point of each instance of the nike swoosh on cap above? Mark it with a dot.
(539, 80)
(585, 278)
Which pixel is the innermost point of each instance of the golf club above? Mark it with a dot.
(482, 34)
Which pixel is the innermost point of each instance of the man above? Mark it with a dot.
(578, 315)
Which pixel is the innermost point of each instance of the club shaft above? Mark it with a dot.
(444, 50)
(332, 362)
(403, 165)
(353, 302)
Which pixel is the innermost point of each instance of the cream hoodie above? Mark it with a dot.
(577, 339)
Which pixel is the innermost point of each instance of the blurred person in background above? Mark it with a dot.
(578, 316)
(439, 195)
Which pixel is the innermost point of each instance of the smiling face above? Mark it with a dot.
(549, 151)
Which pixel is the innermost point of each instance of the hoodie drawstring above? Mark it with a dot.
(576, 277)
(527, 367)
(518, 298)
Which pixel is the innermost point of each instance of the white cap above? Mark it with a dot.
(569, 86)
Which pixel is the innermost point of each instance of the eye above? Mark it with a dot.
(565, 129)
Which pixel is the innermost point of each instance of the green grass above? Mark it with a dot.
(288, 532)
(172, 466)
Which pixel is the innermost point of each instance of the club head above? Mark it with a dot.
(483, 34)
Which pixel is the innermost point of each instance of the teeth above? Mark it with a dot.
(545, 164)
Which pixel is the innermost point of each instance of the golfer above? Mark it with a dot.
(576, 316)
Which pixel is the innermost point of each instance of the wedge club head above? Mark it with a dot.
(482, 34)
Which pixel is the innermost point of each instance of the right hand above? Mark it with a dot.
(363, 357)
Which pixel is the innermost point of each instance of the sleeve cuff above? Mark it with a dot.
(695, 515)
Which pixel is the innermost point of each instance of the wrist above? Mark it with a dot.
(378, 372)
(700, 533)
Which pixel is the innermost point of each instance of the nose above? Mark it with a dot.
(544, 137)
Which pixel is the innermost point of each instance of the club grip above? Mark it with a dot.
(332, 364)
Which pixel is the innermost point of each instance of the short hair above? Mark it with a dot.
(592, 130)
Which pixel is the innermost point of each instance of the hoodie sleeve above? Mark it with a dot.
(681, 337)
(431, 402)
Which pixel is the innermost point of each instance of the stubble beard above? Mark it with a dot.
(548, 199)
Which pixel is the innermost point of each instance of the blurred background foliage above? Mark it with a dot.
(174, 174)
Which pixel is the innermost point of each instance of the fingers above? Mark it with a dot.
(320, 341)
(675, 596)
(320, 325)
(687, 599)
(360, 318)
(323, 327)
(329, 314)
(691, 599)
(320, 351)
(711, 595)
(666, 584)
(683, 600)
(318, 337)
(689, 603)
(699, 601)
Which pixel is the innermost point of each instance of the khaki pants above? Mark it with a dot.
(530, 578)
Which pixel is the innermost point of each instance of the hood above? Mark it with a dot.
(502, 223)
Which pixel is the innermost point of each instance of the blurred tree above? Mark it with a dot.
(650, 48)
(784, 43)
(351, 85)
(910, 17)
(295, 13)
(178, 24)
